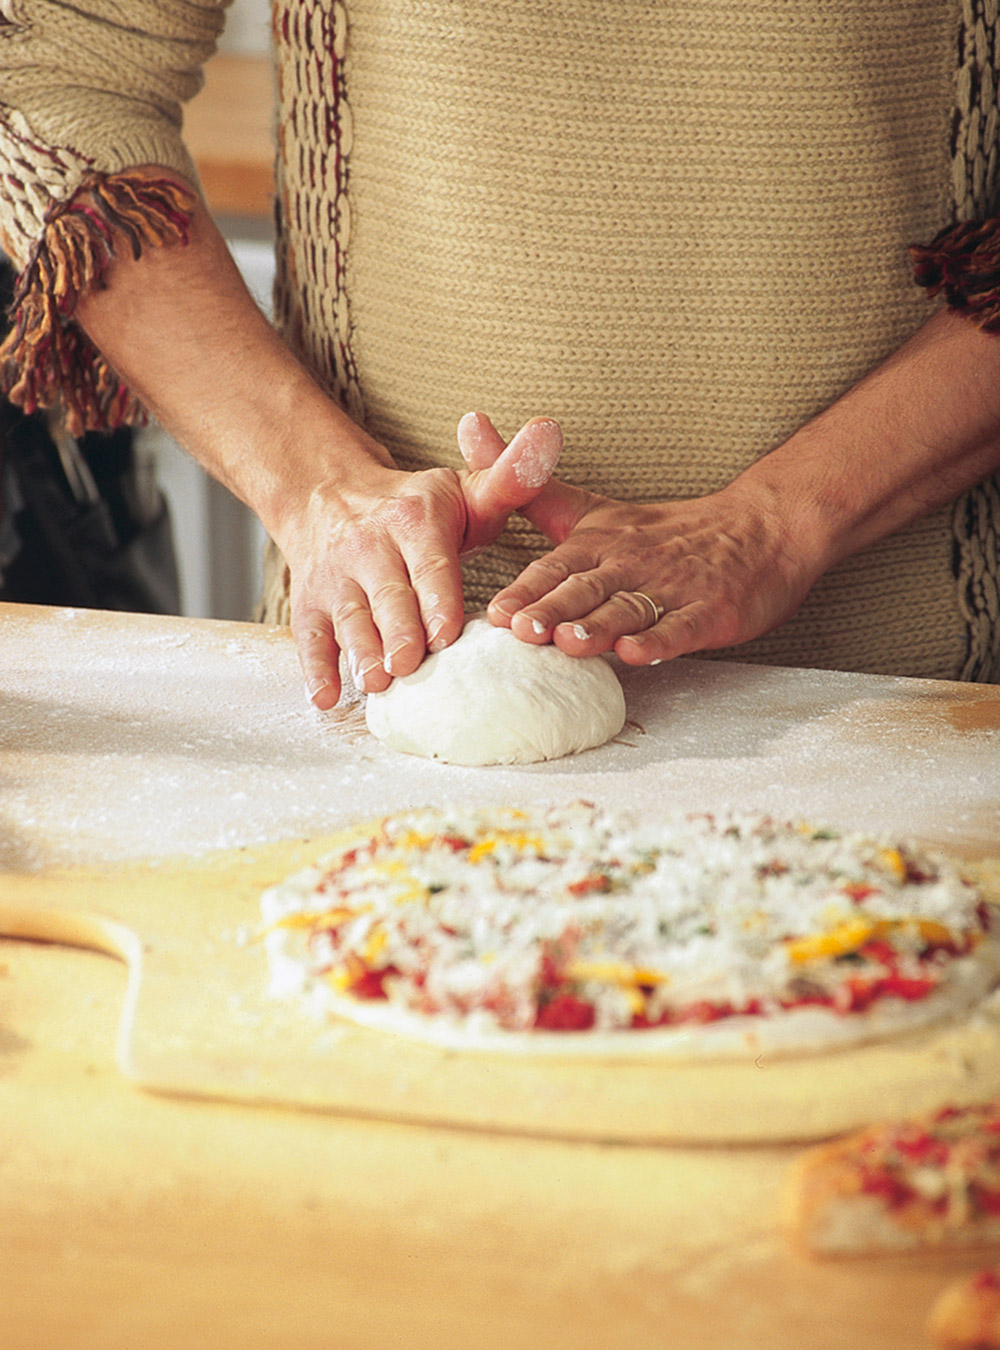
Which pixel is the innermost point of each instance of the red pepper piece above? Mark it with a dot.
(858, 891)
(895, 1192)
(565, 1012)
(597, 881)
(370, 984)
(987, 1201)
(911, 989)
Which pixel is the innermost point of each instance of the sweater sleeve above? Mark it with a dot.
(962, 263)
(89, 91)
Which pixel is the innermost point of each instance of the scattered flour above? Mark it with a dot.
(145, 736)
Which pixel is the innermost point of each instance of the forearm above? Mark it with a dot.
(911, 437)
(373, 551)
(180, 327)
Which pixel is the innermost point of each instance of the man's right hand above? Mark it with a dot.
(375, 565)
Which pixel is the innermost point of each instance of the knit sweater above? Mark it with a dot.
(679, 229)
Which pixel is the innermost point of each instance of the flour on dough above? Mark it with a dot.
(491, 699)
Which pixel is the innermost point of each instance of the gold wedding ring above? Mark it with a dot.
(657, 610)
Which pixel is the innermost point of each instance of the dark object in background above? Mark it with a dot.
(93, 527)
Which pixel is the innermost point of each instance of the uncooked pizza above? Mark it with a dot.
(574, 930)
(926, 1181)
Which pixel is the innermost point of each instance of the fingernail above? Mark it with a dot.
(316, 686)
(387, 663)
(656, 661)
(435, 642)
(581, 633)
(538, 626)
(359, 670)
(508, 608)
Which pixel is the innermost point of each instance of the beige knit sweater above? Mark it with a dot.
(680, 229)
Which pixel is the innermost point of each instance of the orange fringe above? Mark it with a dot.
(46, 359)
(963, 262)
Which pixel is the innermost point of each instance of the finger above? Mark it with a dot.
(564, 577)
(516, 476)
(479, 441)
(689, 628)
(409, 572)
(318, 656)
(557, 508)
(622, 613)
(436, 577)
(360, 641)
(396, 616)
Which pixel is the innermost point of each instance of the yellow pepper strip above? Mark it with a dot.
(935, 933)
(347, 975)
(415, 893)
(414, 839)
(518, 838)
(339, 979)
(384, 867)
(397, 871)
(845, 937)
(480, 850)
(636, 1001)
(375, 946)
(854, 933)
(892, 860)
(615, 972)
(316, 918)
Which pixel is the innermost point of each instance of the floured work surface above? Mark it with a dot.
(129, 736)
(197, 1021)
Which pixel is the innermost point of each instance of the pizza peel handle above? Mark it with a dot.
(64, 907)
(76, 907)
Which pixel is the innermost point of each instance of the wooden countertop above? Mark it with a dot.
(132, 1218)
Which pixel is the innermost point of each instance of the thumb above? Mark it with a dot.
(504, 481)
(555, 510)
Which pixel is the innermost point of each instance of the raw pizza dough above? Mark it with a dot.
(491, 699)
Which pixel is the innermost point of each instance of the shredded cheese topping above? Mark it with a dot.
(572, 918)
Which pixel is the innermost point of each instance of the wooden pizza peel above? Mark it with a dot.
(197, 1021)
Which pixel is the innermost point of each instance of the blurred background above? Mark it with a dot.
(229, 129)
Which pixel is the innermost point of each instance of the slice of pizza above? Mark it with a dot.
(930, 1181)
(569, 927)
(966, 1315)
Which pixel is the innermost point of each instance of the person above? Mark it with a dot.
(681, 233)
(83, 522)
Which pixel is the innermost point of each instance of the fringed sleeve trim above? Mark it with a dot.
(963, 264)
(47, 360)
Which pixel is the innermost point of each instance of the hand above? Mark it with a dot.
(375, 566)
(649, 581)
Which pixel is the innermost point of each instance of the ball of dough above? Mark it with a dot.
(491, 699)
